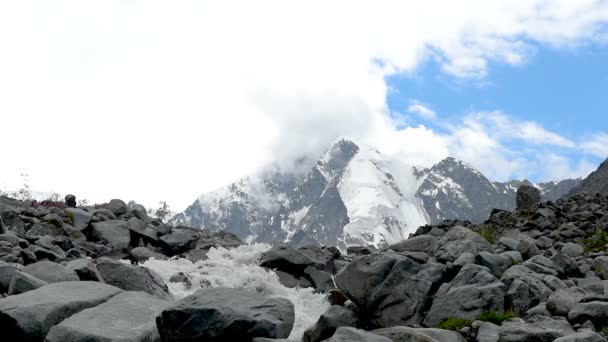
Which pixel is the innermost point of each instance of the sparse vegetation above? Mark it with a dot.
(597, 243)
(604, 331)
(83, 202)
(496, 318)
(163, 211)
(488, 233)
(454, 323)
(24, 193)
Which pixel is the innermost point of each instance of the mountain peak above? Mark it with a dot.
(337, 157)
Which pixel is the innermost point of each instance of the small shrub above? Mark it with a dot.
(488, 233)
(496, 318)
(597, 243)
(604, 331)
(454, 323)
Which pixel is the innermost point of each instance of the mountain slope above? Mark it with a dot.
(353, 195)
(596, 182)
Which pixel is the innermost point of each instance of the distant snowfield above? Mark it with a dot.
(237, 268)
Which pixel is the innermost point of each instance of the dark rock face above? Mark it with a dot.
(596, 182)
(222, 314)
(528, 197)
(337, 316)
(29, 316)
(395, 288)
(70, 201)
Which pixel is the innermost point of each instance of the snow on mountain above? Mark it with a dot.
(353, 195)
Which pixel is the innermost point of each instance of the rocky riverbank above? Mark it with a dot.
(536, 274)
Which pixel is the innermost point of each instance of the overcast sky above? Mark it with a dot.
(162, 100)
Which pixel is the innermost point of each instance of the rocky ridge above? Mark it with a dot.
(539, 273)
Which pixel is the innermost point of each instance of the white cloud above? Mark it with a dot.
(596, 145)
(159, 101)
(421, 109)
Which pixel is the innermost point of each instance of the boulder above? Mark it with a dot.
(115, 232)
(128, 316)
(487, 332)
(6, 274)
(140, 212)
(407, 334)
(595, 311)
(23, 282)
(181, 277)
(50, 272)
(178, 241)
(141, 254)
(526, 288)
(389, 288)
(458, 240)
(286, 259)
(117, 207)
(80, 218)
(572, 249)
(496, 263)
(420, 243)
(562, 301)
(132, 278)
(223, 314)
(527, 198)
(337, 316)
(85, 269)
(29, 316)
(600, 267)
(542, 331)
(472, 292)
(582, 336)
(70, 201)
(348, 334)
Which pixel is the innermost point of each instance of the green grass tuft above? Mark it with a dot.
(454, 323)
(496, 318)
(488, 233)
(597, 243)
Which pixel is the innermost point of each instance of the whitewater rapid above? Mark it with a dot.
(237, 268)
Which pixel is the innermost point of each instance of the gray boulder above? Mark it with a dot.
(337, 316)
(600, 267)
(348, 334)
(23, 282)
(527, 197)
(85, 269)
(391, 289)
(582, 336)
(458, 240)
(420, 243)
(497, 263)
(80, 218)
(115, 232)
(140, 212)
(223, 314)
(487, 332)
(572, 249)
(50, 272)
(178, 241)
(562, 301)
(132, 278)
(128, 316)
(29, 316)
(141, 254)
(286, 259)
(596, 312)
(542, 331)
(6, 274)
(526, 288)
(407, 334)
(117, 207)
(472, 292)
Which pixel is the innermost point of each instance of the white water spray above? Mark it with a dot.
(238, 268)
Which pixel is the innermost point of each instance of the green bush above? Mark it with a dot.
(454, 323)
(488, 233)
(496, 318)
(597, 243)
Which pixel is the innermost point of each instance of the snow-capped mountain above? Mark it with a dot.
(353, 195)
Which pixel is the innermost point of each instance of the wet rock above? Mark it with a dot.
(178, 241)
(222, 314)
(141, 254)
(132, 278)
